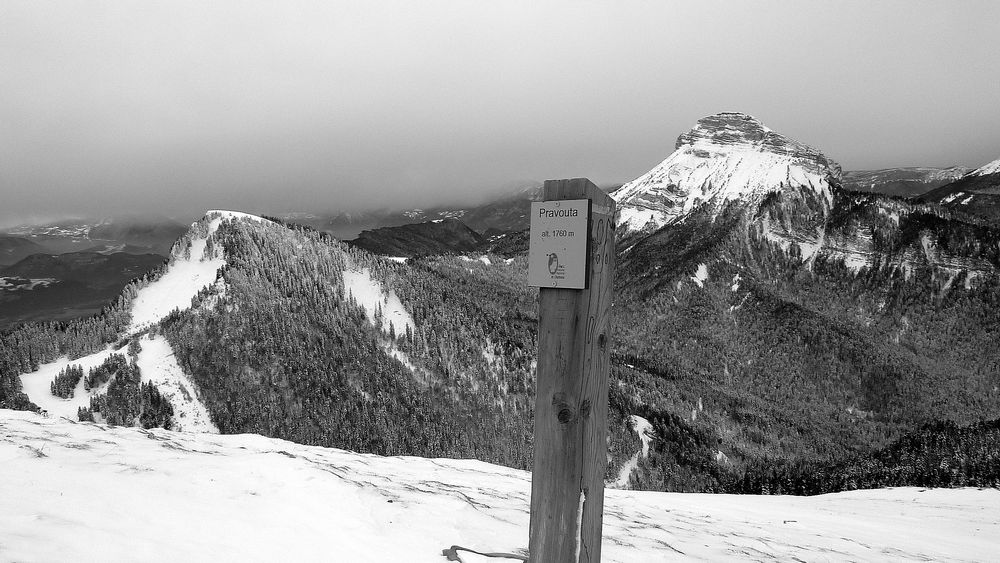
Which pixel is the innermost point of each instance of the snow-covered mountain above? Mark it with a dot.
(789, 194)
(253, 326)
(905, 182)
(82, 491)
(724, 158)
(977, 193)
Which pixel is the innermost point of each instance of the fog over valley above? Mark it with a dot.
(175, 108)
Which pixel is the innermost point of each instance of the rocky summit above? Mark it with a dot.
(725, 157)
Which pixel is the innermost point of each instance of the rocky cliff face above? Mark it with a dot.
(724, 158)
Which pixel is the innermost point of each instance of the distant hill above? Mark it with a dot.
(977, 194)
(504, 213)
(47, 287)
(133, 234)
(13, 249)
(903, 182)
(441, 236)
(154, 234)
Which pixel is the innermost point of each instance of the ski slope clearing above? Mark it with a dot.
(191, 269)
(81, 491)
(370, 294)
(645, 431)
(157, 365)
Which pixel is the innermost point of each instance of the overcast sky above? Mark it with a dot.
(177, 106)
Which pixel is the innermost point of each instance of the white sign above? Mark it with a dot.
(557, 244)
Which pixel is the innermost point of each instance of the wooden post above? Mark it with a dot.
(571, 396)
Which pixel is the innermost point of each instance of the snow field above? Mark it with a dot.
(25, 284)
(700, 275)
(167, 496)
(482, 258)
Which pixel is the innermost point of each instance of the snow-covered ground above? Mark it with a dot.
(36, 385)
(482, 258)
(79, 491)
(158, 366)
(24, 284)
(645, 431)
(182, 280)
(700, 275)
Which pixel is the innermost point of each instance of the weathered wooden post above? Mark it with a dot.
(572, 261)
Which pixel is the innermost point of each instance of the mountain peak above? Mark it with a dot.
(724, 157)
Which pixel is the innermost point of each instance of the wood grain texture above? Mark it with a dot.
(571, 400)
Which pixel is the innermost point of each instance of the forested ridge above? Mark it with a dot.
(769, 363)
(286, 352)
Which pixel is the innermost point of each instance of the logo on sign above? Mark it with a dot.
(556, 270)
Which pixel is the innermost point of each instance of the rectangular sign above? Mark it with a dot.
(557, 243)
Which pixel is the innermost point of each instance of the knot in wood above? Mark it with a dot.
(565, 413)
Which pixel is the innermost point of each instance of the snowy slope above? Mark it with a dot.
(370, 294)
(645, 431)
(156, 365)
(36, 384)
(991, 168)
(78, 491)
(193, 266)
